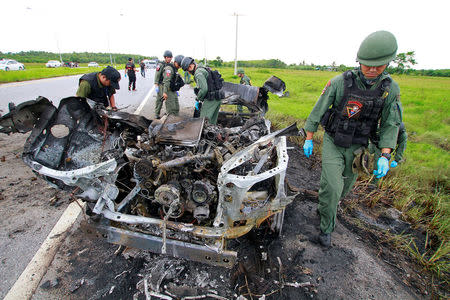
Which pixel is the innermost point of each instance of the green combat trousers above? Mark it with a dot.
(336, 180)
(210, 110)
(159, 101)
(172, 105)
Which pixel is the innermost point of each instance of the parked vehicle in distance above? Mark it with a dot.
(150, 64)
(92, 64)
(53, 64)
(10, 65)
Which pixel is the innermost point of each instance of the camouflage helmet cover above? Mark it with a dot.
(240, 71)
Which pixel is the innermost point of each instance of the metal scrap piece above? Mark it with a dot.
(178, 130)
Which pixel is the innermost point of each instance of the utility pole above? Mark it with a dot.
(57, 45)
(235, 49)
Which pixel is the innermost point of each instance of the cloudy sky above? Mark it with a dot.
(320, 31)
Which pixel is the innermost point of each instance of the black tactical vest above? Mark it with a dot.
(356, 117)
(99, 95)
(215, 84)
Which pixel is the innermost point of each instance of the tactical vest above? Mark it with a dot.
(215, 84)
(99, 95)
(356, 117)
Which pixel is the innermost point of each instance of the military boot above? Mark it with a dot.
(325, 239)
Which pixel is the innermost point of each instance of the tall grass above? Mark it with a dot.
(421, 183)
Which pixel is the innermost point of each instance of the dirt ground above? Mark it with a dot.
(29, 209)
(292, 266)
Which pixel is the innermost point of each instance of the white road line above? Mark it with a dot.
(30, 278)
(141, 106)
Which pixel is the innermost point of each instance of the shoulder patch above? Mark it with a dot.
(326, 86)
(158, 68)
(168, 72)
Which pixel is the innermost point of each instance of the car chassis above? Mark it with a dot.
(176, 186)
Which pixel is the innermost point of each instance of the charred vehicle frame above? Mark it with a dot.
(177, 185)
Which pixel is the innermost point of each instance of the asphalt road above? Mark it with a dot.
(58, 88)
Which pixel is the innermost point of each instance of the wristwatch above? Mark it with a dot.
(386, 155)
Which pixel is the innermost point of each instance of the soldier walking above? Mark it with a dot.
(350, 109)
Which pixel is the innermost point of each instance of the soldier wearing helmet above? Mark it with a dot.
(159, 81)
(171, 84)
(245, 80)
(207, 98)
(353, 106)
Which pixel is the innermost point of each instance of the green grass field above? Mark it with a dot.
(421, 183)
(38, 70)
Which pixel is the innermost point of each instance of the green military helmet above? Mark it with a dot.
(186, 62)
(167, 53)
(179, 59)
(378, 49)
(240, 71)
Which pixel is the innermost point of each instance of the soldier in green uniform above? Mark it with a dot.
(245, 80)
(100, 87)
(206, 95)
(159, 81)
(169, 86)
(362, 101)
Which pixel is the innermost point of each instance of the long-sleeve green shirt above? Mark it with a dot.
(201, 79)
(167, 75)
(401, 145)
(245, 80)
(158, 72)
(391, 115)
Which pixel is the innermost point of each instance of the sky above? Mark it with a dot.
(319, 31)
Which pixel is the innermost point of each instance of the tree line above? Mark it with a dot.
(402, 64)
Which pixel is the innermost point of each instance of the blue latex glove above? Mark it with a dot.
(125, 75)
(394, 164)
(383, 167)
(178, 94)
(308, 148)
(157, 89)
(197, 105)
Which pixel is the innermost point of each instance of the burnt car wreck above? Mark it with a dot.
(177, 185)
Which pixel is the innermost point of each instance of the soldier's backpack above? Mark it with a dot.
(176, 83)
(215, 84)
